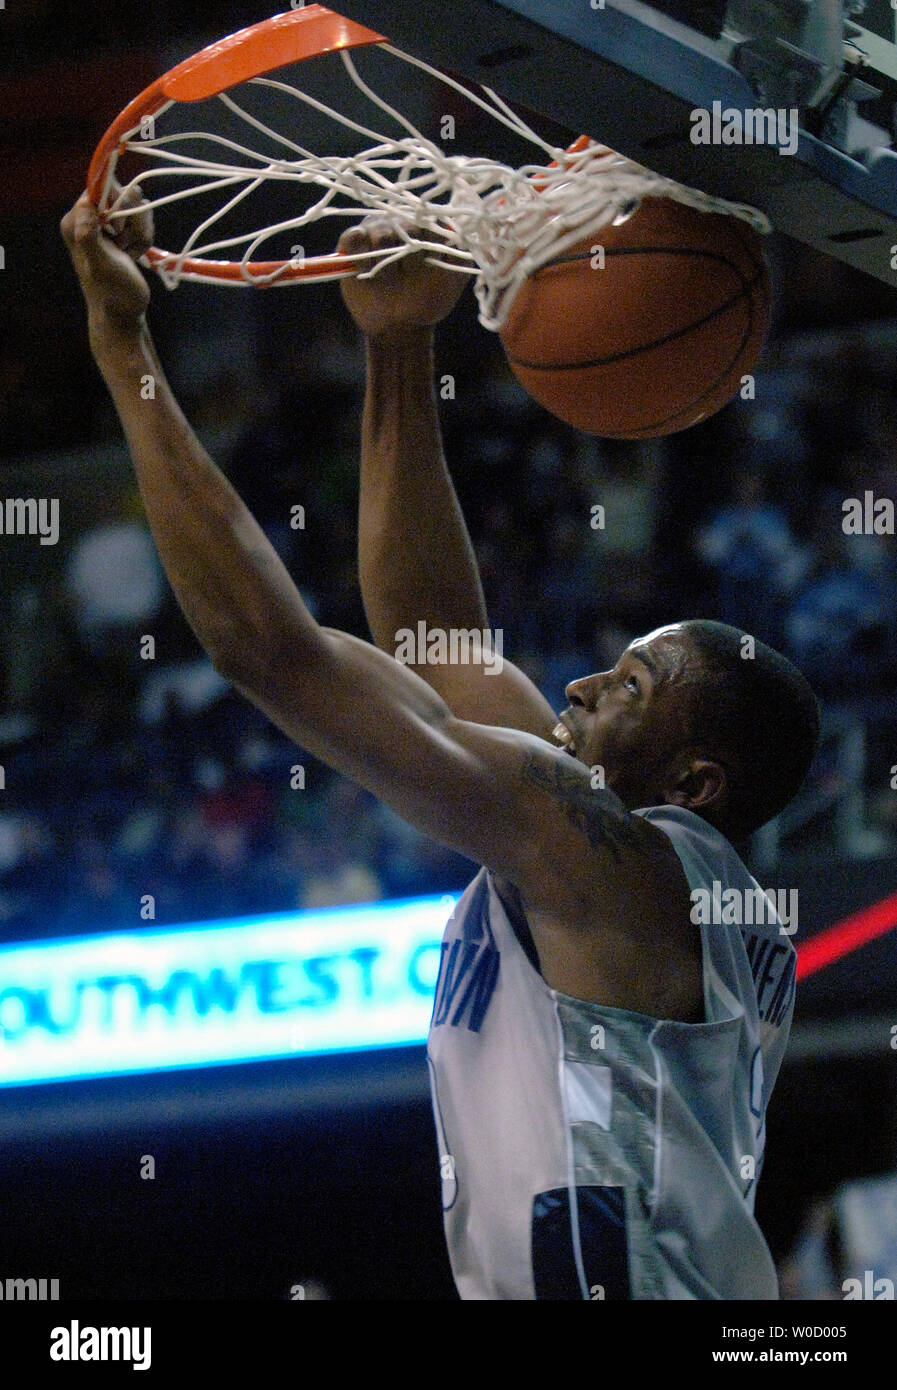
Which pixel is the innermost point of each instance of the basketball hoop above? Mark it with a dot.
(476, 216)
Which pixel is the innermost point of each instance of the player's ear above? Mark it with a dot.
(698, 784)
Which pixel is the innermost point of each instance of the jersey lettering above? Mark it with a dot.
(473, 965)
(773, 968)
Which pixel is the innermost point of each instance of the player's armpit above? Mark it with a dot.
(618, 873)
(615, 928)
(597, 815)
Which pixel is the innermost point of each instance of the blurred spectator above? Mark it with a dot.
(337, 880)
(32, 880)
(842, 626)
(847, 1246)
(757, 562)
(115, 579)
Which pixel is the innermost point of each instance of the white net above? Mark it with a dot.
(476, 216)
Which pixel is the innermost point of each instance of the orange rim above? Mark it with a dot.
(251, 52)
(582, 142)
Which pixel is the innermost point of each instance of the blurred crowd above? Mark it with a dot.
(139, 787)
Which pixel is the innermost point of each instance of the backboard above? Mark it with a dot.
(784, 104)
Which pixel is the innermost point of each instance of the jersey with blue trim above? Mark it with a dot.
(594, 1153)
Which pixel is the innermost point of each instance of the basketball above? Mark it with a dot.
(646, 327)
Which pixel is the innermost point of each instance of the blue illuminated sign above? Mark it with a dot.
(334, 980)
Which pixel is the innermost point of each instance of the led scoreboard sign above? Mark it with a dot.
(334, 980)
(305, 983)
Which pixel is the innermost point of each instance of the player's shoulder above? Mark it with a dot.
(705, 853)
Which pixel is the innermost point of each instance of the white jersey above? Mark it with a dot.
(594, 1153)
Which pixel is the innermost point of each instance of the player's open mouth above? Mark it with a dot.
(564, 737)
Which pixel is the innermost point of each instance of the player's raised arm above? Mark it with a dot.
(504, 798)
(415, 559)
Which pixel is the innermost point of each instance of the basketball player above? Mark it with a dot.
(601, 1056)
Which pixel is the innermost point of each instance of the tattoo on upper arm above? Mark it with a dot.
(605, 826)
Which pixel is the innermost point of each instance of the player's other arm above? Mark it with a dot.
(416, 562)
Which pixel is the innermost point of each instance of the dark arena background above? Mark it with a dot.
(171, 1126)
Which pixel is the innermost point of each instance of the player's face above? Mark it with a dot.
(633, 720)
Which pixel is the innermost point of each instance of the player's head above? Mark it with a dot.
(701, 715)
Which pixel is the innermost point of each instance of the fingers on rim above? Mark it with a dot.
(84, 220)
(130, 198)
(354, 240)
(383, 235)
(80, 220)
(375, 233)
